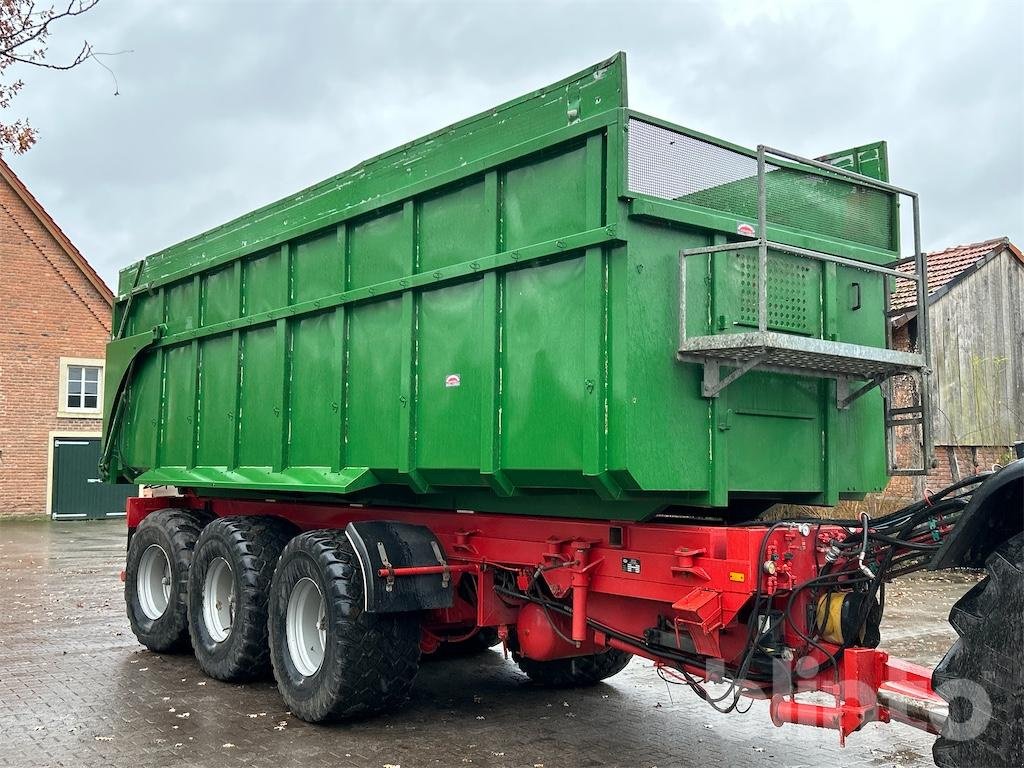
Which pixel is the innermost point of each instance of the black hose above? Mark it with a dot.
(891, 531)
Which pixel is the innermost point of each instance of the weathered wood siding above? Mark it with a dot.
(977, 333)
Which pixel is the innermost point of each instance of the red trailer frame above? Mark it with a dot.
(681, 595)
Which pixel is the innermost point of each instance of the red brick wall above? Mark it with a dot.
(48, 310)
(952, 462)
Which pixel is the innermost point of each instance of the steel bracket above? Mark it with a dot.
(713, 383)
(845, 398)
(446, 574)
(386, 563)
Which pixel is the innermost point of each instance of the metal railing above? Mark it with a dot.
(782, 352)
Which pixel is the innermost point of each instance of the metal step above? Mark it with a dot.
(801, 355)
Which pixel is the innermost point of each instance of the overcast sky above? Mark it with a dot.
(226, 105)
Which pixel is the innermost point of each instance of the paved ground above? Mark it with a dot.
(77, 690)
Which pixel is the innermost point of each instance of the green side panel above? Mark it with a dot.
(122, 356)
(859, 306)
(317, 267)
(455, 226)
(221, 295)
(768, 416)
(378, 250)
(665, 437)
(259, 413)
(860, 444)
(546, 199)
(146, 312)
(451, 379)
(373, 374)
(182, 307)
(543, 382)
(860, 447)
(314, 406)
(265, 283)
(217, 410)
(139, 444)
(179, 406)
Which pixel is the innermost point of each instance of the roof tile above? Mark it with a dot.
(943, 268)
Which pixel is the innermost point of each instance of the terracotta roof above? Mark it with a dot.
(948, 267)
(51, 226)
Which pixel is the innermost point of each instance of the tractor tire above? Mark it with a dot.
(982, 675)
(156, 578)
(333, 660)
(229, 588)
(575, 672)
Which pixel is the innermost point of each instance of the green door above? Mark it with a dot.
(78, 492)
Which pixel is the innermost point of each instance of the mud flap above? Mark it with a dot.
(382, 545)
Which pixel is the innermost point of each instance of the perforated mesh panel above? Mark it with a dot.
(673, 166)
(793, 292)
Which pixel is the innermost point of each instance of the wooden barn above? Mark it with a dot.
(976, 319)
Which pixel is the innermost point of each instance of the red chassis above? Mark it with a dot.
(680, 595)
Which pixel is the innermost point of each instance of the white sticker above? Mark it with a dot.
(747, 230)
(453, 380)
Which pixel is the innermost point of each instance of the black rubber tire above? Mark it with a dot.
(482, 641)
(251, 546)
(989, 620)
(370, 659)
(176, 532)
(575, 672)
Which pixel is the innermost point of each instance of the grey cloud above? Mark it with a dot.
(225, 106)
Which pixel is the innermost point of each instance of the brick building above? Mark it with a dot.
(54, 323)
(976, 323)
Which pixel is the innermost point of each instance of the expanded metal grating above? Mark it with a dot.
(675, 166)
(816, 356)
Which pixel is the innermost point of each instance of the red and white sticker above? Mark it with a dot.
(453, 380)
(745, 229)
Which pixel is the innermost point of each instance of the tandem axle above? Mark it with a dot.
(769, 610)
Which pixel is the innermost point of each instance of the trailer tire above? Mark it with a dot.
(156, 578)
(229, 588)
(357, 663)
(982, 673)
(575, 672)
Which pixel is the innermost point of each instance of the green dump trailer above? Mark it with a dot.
(528, 380)
(493, 317)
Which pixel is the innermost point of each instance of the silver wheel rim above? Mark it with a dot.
(306, 627)
(219, 599)
(153, 585)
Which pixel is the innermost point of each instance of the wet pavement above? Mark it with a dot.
(76, 689)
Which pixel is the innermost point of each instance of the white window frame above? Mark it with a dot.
(63, 411)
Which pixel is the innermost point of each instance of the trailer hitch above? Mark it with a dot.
(872, 688)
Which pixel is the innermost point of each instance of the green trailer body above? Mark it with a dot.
(489, 318)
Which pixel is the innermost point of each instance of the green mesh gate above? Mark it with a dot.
(675, 166)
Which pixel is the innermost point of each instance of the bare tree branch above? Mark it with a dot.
(85, 53)
(24, 30)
